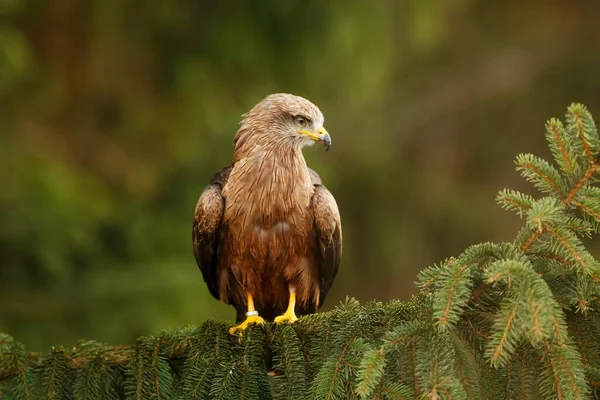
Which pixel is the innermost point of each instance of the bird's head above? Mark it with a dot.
(285, 120)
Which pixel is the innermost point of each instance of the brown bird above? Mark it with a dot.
(267, 234)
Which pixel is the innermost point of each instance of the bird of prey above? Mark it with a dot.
(267, 234)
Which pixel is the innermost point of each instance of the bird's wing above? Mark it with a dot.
(328, 228)
(205, 231)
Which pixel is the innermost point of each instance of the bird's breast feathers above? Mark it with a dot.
(267, 207)
(267, 191)
(268, 221)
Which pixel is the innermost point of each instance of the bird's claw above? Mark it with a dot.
(252, 319)
(288, 316)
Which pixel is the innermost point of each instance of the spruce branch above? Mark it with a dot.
(56, 382)
(581, 125)
(372, 366)
(512, 200)
(565, 378)
(561, 146)
(436, 367)
(454, 288)
(466, 367)
(290, 364)
(504, 342)
(539, 172)
(588, 201)
(17, 363)
(394, 391)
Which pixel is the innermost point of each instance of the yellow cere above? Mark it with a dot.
(316, 137)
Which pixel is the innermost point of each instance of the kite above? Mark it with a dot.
(267, 233)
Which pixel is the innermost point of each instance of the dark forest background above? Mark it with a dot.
(115, 113)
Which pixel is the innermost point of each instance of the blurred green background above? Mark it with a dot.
(115, 113)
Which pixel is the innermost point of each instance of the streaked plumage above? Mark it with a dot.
(266, 223)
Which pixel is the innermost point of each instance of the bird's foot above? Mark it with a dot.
(289, 316)
(252, 319)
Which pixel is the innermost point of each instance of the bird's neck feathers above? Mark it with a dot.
(269, 179)
(248, 139)
(269, 154)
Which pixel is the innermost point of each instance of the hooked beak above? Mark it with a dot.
(322, 136)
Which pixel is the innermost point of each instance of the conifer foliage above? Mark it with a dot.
(508, 320)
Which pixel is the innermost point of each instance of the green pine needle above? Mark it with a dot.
(541, 173)
(583, 132)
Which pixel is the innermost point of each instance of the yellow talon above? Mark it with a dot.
(252, 319)
(289, 315)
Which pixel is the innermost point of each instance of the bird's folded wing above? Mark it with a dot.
(328, 228)
(205, 231)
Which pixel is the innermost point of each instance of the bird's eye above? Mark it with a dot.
(302, 121)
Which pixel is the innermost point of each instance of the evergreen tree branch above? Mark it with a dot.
(374, 362)
(501, 346)
(466, 368)
(560, 146)
(514, 201)
(582, 126)
(454, 291)
(588, 209)
(289, 363)
(415, 375)
(395, 391)
(17, 363)
(567, 244)
(561, 362)
(592, 169)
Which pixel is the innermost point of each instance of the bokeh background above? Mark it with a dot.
(115, 113)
